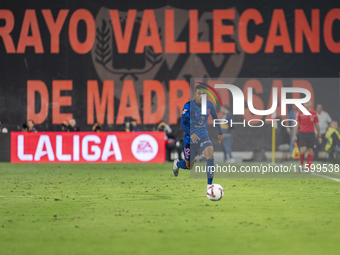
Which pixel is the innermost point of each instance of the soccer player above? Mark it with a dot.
(196, 139)
(306, 141)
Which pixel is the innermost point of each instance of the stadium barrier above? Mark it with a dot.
(88, 147)
(5, 141)
(26, 152)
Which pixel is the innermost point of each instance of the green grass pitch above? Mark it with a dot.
(142, 209)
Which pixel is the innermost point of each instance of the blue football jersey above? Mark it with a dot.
(198, 121)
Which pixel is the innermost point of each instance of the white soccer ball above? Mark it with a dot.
(215, 192)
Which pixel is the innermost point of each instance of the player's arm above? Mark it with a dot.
(186, 123)
(185, 120)
(220, 133)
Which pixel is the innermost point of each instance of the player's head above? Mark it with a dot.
(133, 122)
(334, 124)
(72, 122)
(308, 105)
(319, 108)
(30, 124)
(199, 91)
(97, 127)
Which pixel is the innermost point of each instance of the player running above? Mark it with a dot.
(306, 134)
(196, 139)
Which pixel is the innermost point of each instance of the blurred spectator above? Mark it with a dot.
(324, 120)
(226, 129)
(333, 140)
(3, 129)
(64, 126)
(24, 127)
(170, 141)
(31, 127)
(127, 125)
(73, 125)
(290, 130)
(97, 127)
(131, 126)
(164, 127)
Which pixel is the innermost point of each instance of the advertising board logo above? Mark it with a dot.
(119, 51)
(144, 147)
(134, 45)
(129, 64)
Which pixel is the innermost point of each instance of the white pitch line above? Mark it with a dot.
(41, 196)
(16, 196)
(327, 177)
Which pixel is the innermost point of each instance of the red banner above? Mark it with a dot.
(88, 147)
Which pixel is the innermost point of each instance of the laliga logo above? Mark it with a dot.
(238, 102)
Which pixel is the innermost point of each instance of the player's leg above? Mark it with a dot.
(190, 164)
(208, 153)
(302, 141)
(303, 150)
(186, 163)
(310, 149)
(302, 157)
(310, 157)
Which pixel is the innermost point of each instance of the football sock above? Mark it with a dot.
(181, 164)
(210, 173)
(309, 161)
(302, 159)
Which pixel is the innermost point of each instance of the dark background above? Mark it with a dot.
(16, 69)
